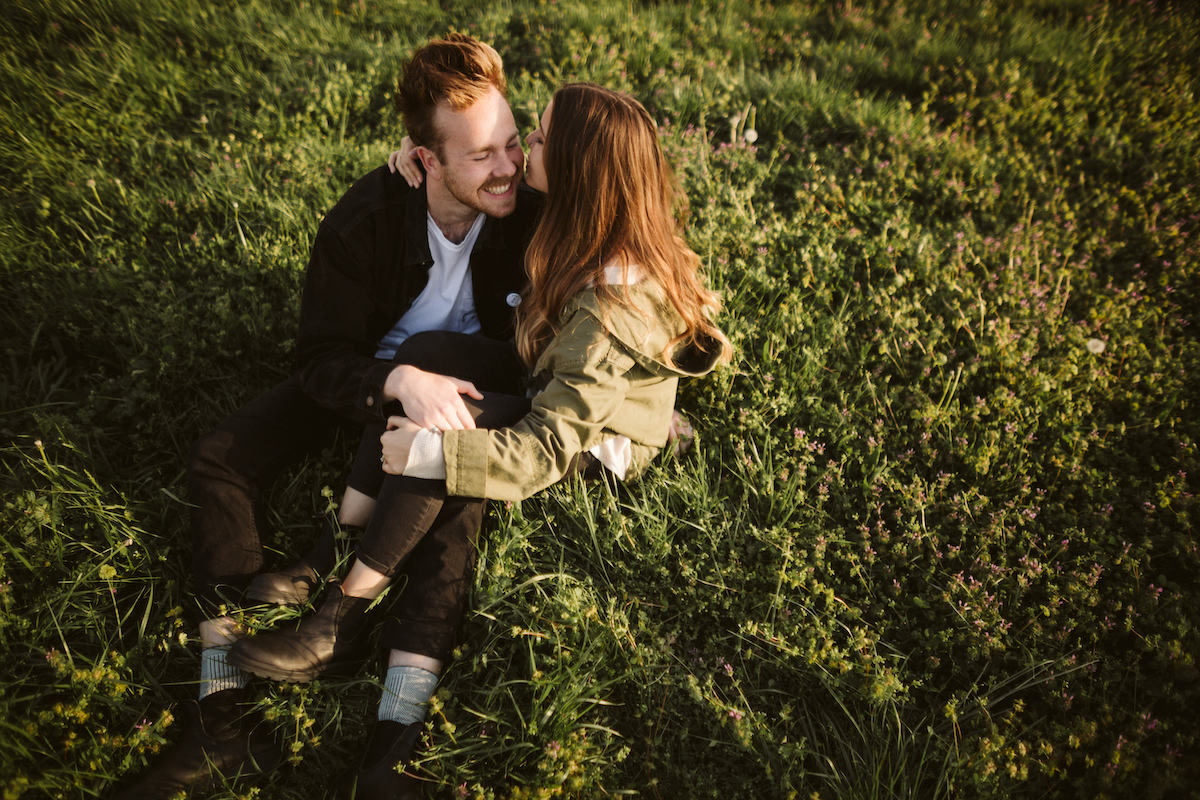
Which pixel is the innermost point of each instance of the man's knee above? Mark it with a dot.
(209, 455)
(276, 428)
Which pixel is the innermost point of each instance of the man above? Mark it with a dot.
(390, 265)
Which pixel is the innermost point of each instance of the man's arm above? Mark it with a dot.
(335, 346)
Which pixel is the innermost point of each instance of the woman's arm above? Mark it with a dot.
(588, 387)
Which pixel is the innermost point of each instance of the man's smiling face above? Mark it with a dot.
(481, 157)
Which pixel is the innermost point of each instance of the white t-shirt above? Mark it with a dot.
(447, 303)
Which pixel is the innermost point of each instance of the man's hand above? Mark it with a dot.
(405, 162)
(431, 400)
(396, 443)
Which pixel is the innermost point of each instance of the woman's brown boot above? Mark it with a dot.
(328, 637)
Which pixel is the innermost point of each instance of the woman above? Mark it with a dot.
(614, 315)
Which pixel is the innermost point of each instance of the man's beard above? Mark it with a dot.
(475, 198)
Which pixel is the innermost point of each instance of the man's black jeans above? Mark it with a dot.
(230, 466)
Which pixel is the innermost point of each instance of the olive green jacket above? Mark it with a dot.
(606, 378)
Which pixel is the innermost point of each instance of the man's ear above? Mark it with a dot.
(433, 167)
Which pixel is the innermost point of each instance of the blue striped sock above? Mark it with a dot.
(406, 692)
(217, 674)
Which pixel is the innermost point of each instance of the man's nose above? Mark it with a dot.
(506, 168)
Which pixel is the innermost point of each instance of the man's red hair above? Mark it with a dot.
(457, 70)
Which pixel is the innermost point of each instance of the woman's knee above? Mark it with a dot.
(490, 364)
(428, 350)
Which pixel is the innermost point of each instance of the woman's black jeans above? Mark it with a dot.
(416, 529)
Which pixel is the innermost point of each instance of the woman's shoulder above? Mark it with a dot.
(625, 310)
(641, 320)
(639, 298)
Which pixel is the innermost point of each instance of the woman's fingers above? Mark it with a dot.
(405, 161)
(411, 174)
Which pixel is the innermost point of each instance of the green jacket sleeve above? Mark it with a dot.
(588, 386)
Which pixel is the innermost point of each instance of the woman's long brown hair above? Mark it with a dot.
(611, 199)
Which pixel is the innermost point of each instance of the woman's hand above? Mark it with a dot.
(405, 162)
(681, 434)
(397, 441)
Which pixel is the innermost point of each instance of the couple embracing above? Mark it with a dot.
(485, 338)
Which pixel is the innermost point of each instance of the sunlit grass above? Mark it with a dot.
(936, 535)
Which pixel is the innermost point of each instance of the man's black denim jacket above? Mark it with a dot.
(369, 262)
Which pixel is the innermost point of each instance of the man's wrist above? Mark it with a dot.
(372, 398)
(393, 386)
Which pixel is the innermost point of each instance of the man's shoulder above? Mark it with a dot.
(380, 191)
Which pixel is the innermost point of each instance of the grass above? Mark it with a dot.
(936, 537)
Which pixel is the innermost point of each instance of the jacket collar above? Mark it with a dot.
(491, 236)
(416, 232)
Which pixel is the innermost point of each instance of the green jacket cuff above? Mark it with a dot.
(466, 462)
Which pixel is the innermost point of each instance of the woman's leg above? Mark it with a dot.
(294, 583)
(406, 507)
(362, 581)
(404, 512)
(355, 508)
